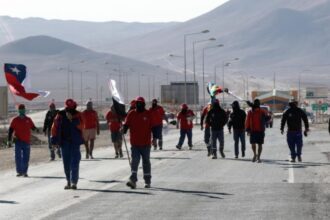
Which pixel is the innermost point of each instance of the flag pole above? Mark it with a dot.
(129, 158)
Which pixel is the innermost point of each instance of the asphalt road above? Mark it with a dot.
(185, 185)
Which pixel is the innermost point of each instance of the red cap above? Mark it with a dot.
(21, 106)
(184, 106)
(154, 101)
(140, 99)
(70, 104)
(133, 103)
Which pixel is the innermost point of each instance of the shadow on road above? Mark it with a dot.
(170, 158)
(284, 163)
(106, 181)
(117, 191)
(48, 177)
(176, 150)
(211, 195)
(8, 202)
(110, 158)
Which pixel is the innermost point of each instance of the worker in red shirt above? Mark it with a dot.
(139, 123)
(158, 114)
(21, 127)
(255, 125)
(185, 119)
(206, 127)
(115, 124)
(91, 128)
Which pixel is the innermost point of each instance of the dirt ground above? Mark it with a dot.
(40, 151)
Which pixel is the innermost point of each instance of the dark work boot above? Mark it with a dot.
(214, 154)
(222, 153)
(160, 144)
(209, 152)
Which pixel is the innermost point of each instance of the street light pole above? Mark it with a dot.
(203, 67)
(185, 59)
(225, 63)
(194, 64)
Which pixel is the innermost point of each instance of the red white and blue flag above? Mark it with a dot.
(18, 82)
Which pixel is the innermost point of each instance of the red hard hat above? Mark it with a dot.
(184, 106)
(140, 99)
(133, 103)
(21, 106)
(70, 104)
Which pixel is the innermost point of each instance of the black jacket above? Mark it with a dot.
(293, 117)
(237, 120)
(216, 118)
(49, 119)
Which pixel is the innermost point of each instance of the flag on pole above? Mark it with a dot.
(118, 102)
(19, 83)
(213, 89)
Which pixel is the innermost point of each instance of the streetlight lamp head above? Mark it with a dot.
(220, 45)
(205, 31)
(212, 39)
(236, 58)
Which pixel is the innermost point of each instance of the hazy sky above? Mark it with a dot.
(107, 10)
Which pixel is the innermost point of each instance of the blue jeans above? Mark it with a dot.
(207, 135)
(51, 149)
(217, 135)
(22, 156)
(295, 142)
(239, 136)
(71, 158)
(183, 133)
(137, 153)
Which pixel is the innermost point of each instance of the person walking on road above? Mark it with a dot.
(185, 120)
(293, 117)
(237, 122)
(91, 128)
(217, 119)
(48, 122)
(206, 127)
(115, 122)
(21, 127)
(67, 133)
(139, 123)
(255, 128)
(158, 114)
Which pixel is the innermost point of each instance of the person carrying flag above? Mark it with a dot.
(91, 128)
(67, 133)
(293, 117)
(158, 114)
(139, 123)
(21, 127)
(217, 119)
(206, 127)
(237, 122)
(115, 125)
(48, 122)
(255, 126)
(185, 120)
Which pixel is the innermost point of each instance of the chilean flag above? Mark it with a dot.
(16, 77)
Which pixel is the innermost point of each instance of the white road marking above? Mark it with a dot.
(291, 174)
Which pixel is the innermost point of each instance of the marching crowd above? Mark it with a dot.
(69, 128)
